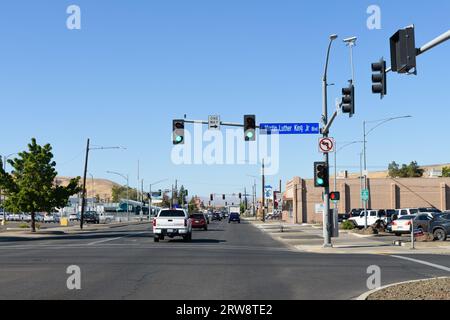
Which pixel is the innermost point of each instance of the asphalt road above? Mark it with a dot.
(234, 261)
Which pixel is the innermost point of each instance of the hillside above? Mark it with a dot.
(100, 187)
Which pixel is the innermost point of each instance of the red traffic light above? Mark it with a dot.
(335, 196)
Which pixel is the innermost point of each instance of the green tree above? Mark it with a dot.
(446, 172)
(192, 207)
(120, 192)
(393, 170)
(406, 171)
(31, 187)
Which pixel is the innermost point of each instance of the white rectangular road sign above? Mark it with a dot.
(214, 122)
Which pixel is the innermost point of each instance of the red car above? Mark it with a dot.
(199, 221)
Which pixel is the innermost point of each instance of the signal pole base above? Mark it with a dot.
(327, 245)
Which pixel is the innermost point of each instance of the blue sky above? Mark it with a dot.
(136, 65)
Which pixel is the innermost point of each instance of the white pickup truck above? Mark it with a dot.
(172, 223)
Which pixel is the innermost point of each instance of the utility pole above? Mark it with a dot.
(245, 199)
(263, 203)
(83, 196)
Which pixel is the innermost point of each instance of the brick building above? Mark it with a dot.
(301, 197)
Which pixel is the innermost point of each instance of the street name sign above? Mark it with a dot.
(289, 128)
(214, 122)
(326, 145)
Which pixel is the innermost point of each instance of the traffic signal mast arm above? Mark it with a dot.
(326, 129)
(226, 124)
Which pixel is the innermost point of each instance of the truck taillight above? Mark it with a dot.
(185, 222)
(408, 223)
(154, 222)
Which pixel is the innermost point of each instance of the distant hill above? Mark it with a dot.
(100, 187)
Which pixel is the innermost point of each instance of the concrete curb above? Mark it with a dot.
(367, 294)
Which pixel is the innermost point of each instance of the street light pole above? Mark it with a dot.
(263, 203)
(365, 134)
(127, 178)
(326, 214)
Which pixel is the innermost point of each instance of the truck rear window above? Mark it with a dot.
(171, 213)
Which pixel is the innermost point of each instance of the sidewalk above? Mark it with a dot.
(308, 238)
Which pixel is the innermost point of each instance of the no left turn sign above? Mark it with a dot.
(326, 145)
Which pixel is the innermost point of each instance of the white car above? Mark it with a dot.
(172, 223)
(402, 225)
(51, 218)
(106, 217)
(406, 212)
(73, 217)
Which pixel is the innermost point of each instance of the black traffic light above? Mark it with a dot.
(223, 197)
(211, 197)
(178, 131)
(335, 196)
(379, 83)
(403, 51)
(321, 178)
(348, 99)
(250, 127)
(240, 195)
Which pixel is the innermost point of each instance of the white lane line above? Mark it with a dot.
(437, 266)
(113, 239)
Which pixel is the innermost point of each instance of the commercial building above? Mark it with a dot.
(302, 201)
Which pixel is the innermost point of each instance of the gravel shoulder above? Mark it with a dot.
(432, 289)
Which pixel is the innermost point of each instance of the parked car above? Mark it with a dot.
(234, 217)
(106, 217)
(430, 210)
(402, 225)
(172, 223)
(74, 217)
(199, 221)
(374, 217)
(216, 217)
(91, 217)
(440, 226)
(51, 218)
(407, 212)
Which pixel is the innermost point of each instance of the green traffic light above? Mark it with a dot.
(179, 139)
(250, 135)
(320, 181)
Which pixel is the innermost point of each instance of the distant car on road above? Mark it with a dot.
(234, 217)
(172, 223)
(199, 221)
(216, 217)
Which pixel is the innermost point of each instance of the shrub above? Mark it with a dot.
(347, 225)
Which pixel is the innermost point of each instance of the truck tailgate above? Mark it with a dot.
(176, 222)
